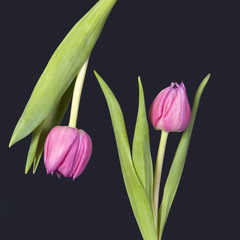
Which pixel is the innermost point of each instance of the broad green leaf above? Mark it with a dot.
(62, 68)
(141, 154)
(136, 192)
(54, 118)
(176, 170)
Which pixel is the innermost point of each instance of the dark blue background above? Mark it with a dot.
(161, 41)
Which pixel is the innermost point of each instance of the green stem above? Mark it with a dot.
(77, 95)
(158, 173)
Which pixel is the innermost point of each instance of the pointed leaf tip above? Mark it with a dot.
(178, 163)
(141, 154)
(137, 194)
(10, 143)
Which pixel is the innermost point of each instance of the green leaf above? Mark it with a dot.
(54, 118)
(62, 68)
(141, 154)
(176, 170)
(136, 192)
(33, 147)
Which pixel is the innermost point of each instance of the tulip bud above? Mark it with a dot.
(170, 110)
(67, 151)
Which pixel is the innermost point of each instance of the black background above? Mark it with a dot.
(161, 41)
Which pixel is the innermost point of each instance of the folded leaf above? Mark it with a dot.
(136, 192)
(33, 147)
(176, 170)
(141, 154)
(53, 119)
(62, 69)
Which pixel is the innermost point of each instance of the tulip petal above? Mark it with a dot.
(69, 160)
(83, 155)
(176, 170)
(137, 195)
(141, 154)
(62, 69)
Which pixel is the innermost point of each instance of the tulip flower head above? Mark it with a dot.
(67, 151)
(170, 110)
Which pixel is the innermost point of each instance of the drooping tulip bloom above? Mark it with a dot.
(67, 151)
(170, 110)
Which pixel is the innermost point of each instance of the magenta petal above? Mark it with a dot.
(58, 174)
(84, 153)
(58, 143)
(68, 163)
(156, 109)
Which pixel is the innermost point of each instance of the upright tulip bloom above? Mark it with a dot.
(170, 111)
(67, 151)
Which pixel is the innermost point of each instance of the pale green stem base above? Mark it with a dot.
(77, 95)
(158, 173)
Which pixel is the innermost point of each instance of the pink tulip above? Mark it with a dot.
(170, 110)
(67, 151)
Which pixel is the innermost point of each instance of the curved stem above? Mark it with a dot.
(158, 173)
(77, 95)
